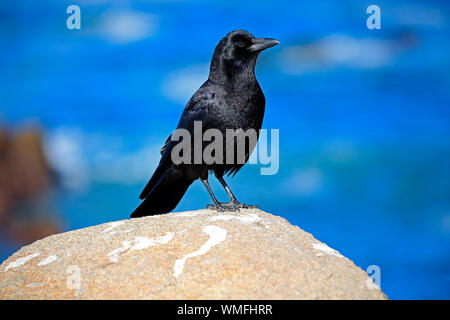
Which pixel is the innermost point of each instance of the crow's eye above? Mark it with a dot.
(240, 44)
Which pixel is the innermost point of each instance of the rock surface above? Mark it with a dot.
(190, 255)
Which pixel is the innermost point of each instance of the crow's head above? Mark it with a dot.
(241, 45)
(237, 51)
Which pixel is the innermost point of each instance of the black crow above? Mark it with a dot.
(231, 98)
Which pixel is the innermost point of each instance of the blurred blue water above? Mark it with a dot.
(363, 116)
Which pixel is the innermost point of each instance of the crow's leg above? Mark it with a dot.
(234, 203)
(216, 204)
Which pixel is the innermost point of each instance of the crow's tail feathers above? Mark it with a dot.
(167, 189)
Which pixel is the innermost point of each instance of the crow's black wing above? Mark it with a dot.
(196, 110)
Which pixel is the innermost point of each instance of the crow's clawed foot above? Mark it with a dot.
(247, 206)
(218, 207)
(230, 206)
(224, 206)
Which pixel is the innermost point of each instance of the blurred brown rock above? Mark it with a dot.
(24, 175)
(23, 168)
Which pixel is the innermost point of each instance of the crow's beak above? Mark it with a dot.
(263, 43)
